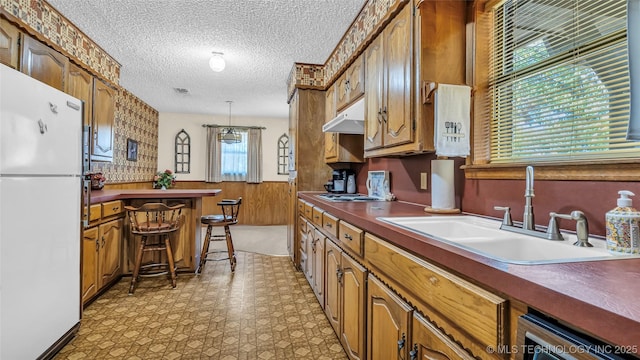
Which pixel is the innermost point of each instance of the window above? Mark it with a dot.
(183, 153)
(283, 155)
(233, 159)
(558, 83)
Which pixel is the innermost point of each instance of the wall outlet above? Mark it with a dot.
(423, 181)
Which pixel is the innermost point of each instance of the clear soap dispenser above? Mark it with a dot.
(623, 226)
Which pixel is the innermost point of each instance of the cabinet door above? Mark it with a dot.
(342, 91)
(318, 266)
(374, 87)
(429, 343)
(388, 319)
(330, 139)
(44, 64)
(309, 252)
(103, 119)
(9, 40)
(81, 86)
(109, 252)
(332, 291)
(90, 245)
(182, 240)
(355, 78)
(353, 308)
(397, 57)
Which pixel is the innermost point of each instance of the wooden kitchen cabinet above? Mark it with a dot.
(90, 248)
(317, 265)
(340, 147)
(109, 252)
(44, 63)
(345, 299)
(415, 48)
(388, 321)
(81, 86)
(308, 169)
(388, 95)
(428, 342)
(104, 97)
(9, 44)
(350, 85)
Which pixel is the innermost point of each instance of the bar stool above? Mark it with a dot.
(154, 223)
(229, 216)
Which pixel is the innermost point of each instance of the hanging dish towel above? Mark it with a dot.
(452, 120)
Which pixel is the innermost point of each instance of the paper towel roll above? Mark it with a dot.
(442, 184)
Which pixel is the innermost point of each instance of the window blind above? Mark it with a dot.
(559, 81)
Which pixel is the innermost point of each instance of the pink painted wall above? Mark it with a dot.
(594, 198)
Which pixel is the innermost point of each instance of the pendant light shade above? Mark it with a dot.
(228, 135)
(216, 63)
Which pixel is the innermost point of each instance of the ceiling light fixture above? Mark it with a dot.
(216, 63)
(228, 135)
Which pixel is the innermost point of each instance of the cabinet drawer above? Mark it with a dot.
(351, 237)
(445, 296)
(317, 216)
(301, 204)
(95, 212)
(308, 211)
(330, 224)
(111, 208)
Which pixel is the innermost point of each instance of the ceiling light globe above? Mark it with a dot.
(217, 63)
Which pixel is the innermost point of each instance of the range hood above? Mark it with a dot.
(348, 121)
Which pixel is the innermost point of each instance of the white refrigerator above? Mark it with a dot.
(40, 216)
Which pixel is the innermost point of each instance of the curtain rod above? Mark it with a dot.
(234, 127)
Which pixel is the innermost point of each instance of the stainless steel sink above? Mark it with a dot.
(484, 237)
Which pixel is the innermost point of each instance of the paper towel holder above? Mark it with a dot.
(433, 210)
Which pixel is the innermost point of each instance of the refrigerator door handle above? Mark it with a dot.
(53, 107)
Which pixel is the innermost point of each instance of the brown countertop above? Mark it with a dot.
(601, 298)
(108, 195)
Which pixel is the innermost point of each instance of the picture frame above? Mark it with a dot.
(378, 184)
(132, 150)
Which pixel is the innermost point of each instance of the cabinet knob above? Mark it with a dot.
(413, 354)
(402, 341)
(339, 274)
(348, 237)
(328, 225)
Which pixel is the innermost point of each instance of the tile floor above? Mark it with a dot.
(265, 310)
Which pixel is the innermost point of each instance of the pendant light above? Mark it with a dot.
(228, 135)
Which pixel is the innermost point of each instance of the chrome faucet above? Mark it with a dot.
(528, 222)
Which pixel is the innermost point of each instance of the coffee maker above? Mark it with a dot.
(339, 179)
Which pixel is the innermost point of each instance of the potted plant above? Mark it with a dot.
(164, 180)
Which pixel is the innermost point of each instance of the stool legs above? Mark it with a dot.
(230, 249)
(205, 248)
(136, 267)
(171, 269)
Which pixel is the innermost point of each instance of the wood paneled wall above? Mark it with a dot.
(262, 204)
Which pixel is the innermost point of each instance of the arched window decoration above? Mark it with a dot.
(283, 155)
(183, 153)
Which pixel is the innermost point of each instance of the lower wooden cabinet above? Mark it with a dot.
(429, 343)
(345, 299)
(388, 321)
(101, 256)
(317, 265)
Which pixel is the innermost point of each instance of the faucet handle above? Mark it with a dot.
(582, 226)
(553, 233)
(506, 220)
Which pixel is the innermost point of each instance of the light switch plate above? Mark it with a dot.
(423, 181)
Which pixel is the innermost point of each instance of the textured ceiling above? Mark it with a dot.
(166, 44)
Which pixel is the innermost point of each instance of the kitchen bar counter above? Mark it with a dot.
(123, 194)
(601, 298)
(193, 197)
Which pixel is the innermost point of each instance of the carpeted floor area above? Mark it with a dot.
(267, 240)
(265, 310)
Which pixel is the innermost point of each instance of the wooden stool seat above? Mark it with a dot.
(229, 216)
(154, 223)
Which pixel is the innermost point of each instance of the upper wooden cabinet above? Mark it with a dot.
(9, 43)
(388, 109)
(340, 147)
(104, 97)
(81, 86)
(419, 46)
(43, 63)
(350, 85)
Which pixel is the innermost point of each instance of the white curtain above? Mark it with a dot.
(213, 173)
(233, 159)
(254, 156)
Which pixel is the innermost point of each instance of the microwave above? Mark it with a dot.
(540, 338)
